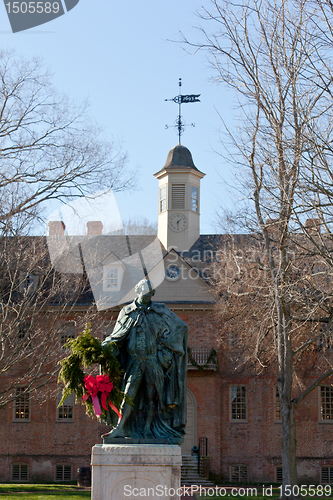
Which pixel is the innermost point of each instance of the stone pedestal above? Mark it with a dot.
(128, 471)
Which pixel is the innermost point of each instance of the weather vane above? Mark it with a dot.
(180, 99)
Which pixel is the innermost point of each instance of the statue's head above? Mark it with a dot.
(144, 290)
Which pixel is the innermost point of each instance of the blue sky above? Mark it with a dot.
(118, 55)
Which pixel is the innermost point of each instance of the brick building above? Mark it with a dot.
(234, 412)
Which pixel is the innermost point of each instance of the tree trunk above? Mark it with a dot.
(288, 451)
(287, 408)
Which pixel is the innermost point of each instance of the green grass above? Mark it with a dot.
(42, 492)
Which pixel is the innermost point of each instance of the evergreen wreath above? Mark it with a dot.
(87, 351)
(212, 359)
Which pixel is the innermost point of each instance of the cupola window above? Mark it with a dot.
(162, 198)
(194, 198)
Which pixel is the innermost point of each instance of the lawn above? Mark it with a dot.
(42, 492)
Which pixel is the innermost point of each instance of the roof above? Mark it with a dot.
(211, 248)
(139, 255)
(180, 156)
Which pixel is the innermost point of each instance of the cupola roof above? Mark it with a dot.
(180, 157)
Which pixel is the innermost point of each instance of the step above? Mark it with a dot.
(189, 473)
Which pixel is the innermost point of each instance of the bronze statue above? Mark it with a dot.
(151, 342)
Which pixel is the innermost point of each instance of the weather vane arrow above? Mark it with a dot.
(182, 99)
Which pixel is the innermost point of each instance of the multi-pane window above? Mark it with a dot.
(162, 198)
(19, 472)
(69, 332)
(326, 475)
(21, 405)
(178, 196)
(194, 198)
(238, 473)
(278, 474)
(28, 282)
(326, 403)
(65, 412)
(63, 472)
(111, 278)
(277, 409)
(238, 402)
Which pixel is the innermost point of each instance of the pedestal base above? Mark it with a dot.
(121, 471)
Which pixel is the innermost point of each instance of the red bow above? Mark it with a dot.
(95, 385)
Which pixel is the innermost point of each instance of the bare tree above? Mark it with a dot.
(140, 225)
(49, 148)
(35, 301)
(272, 54)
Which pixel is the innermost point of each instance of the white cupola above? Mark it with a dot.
(179, 200)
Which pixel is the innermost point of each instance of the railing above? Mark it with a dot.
(200, 355)
(203, 446)
(203, 452)
(201, 358)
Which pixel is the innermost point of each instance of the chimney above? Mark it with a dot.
(94, 228)
(313, 226)
(56, 228)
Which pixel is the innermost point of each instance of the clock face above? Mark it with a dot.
(177, 222)
(172, 273)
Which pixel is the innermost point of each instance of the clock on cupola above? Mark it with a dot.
(179, 200)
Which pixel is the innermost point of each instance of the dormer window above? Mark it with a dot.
(111, 278)
(194, 199)
(28, 282)
(113, 272)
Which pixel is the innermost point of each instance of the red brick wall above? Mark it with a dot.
(43, 442)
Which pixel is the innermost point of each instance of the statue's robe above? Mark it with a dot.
(166, 341)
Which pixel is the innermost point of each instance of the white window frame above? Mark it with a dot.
(22, 478)
(70, 401)
(63, 465)
(26, 403)
(330, 402)
(116, 271)
(163, 198)
(120, 272)
(238, 420)
(28, 282)
(196, 199)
